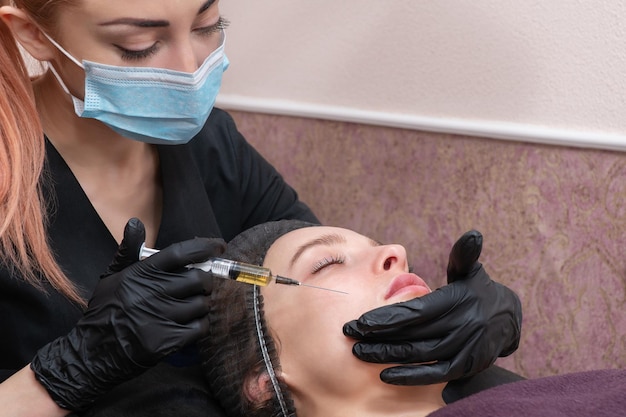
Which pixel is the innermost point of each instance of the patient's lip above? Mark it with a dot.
(405, 283)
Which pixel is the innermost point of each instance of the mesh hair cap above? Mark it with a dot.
(238, 345)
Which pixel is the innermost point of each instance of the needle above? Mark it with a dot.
(289, 281)
(322, 288)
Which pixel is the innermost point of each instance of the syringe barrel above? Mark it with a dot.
(250, 274)
(227, 269)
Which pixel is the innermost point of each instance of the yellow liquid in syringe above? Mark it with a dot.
(253, 278)
(250, 274)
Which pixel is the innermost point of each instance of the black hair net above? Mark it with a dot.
(231, 351)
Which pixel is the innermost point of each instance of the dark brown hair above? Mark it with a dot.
(231, 352)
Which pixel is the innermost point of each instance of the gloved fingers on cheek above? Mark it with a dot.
(443, 337)
(395, 318)
(416, 350)
(406, 352)
(425, 374)
(451, 329)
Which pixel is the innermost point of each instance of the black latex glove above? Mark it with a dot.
(463, 326)
(139, 312)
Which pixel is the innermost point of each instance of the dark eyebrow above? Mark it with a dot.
(325, 240)
(205, 6)
(142, 23)
(147, 23)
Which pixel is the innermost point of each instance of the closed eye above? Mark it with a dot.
(136, 55)
(131, 55)
(327, 261)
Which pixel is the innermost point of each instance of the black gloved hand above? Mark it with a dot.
(461, 328)
(128, 251)
(137, 315)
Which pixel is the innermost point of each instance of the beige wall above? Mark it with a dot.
(548, 71)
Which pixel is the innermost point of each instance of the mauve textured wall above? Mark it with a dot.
(553, 220)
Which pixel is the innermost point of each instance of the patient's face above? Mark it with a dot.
(307, 322)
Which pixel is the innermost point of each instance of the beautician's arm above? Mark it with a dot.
(140, 311)
(23, 396)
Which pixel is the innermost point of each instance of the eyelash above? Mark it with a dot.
(129, 55)
(222, 23)
(333, 260)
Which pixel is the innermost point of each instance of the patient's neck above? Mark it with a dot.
(390, 401)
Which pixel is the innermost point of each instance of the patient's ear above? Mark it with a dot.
(258, 387)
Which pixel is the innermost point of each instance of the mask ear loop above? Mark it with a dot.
(264, 352)
(63, 51)
(54, 71)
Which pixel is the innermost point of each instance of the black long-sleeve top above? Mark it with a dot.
(217, 185)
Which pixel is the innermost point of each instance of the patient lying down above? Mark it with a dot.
(316, 372)
(280, 350)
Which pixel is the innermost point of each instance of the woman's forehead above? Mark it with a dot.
(108, 9)
(331, 233)
(298, 241)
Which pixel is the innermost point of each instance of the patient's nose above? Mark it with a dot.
(390, 257)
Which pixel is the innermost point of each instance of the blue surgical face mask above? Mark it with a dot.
(152, 105)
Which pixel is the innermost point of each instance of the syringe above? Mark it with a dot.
(238, 271)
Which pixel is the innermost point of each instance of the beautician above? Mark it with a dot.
(130, 132)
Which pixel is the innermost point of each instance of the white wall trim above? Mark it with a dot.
(487, 129)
